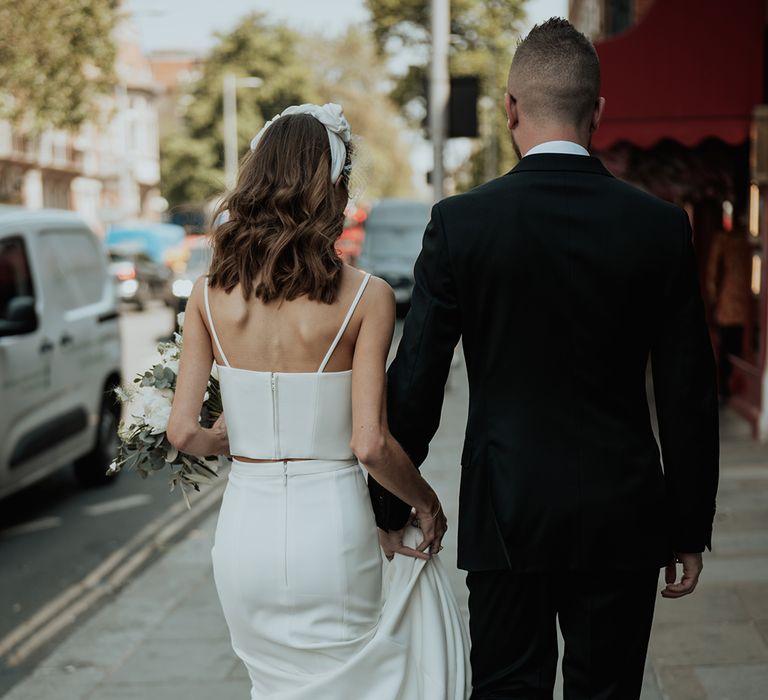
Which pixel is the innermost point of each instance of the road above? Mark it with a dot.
(54, 533)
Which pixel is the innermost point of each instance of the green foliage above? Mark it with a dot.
(55, 59)
(188, 170)
(483, 38)
(295, 69)
(348, 71)
(256, 47)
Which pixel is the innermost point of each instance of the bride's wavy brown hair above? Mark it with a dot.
(284, 217)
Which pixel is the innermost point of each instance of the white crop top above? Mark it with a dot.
(288, 415)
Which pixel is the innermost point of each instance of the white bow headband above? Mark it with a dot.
(331, 116)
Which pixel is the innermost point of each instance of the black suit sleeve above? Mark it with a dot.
(686, 402)
(417, 377)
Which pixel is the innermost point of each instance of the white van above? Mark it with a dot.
(59, 349)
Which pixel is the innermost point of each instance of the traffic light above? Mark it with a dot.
(462, 107)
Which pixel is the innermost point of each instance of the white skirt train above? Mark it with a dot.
(314, 610)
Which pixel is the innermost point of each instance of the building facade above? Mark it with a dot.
(110, 169)
(599, 19)
(173, 73)
(686, 118)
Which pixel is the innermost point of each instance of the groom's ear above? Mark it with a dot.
(510, 106)
(597, 115)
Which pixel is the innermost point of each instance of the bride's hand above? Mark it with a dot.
(219, 429)
(392, 542)
(433, 525)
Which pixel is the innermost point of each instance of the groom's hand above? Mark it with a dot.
(692, 566)
(392, 542)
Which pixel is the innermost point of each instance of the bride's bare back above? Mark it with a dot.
(286, 336)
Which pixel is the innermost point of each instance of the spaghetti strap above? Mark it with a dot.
(345, 323)
(211, 326)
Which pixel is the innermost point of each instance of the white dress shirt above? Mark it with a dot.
(567, 147)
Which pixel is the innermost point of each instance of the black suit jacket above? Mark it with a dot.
(561, 280)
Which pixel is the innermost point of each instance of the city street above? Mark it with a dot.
(163, 635)
(571, 224)
(55, 533)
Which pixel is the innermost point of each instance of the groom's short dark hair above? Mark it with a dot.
(556, 73)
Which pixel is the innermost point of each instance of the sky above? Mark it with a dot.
(181, 24)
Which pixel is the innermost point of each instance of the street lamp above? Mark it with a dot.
(229, 97)
(439, 90)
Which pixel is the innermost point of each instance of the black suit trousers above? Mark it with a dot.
(605, 618)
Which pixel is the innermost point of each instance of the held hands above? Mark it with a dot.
(692, 566)
(432, 524)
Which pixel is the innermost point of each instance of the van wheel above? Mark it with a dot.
(91, 470)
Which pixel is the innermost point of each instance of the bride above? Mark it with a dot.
(301, 341)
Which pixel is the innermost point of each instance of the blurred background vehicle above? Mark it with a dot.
(59, 350)
(139, 278)
(163, 243)
(393, 234)
(196, 263)
(350, 243)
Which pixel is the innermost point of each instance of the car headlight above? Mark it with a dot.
(182, 288)
(128, 288)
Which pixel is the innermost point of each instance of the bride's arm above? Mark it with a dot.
(372, 442)
(184, 429)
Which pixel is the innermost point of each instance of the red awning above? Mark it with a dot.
(692, 69)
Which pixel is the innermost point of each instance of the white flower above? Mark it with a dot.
(113, 467)
(154, 408)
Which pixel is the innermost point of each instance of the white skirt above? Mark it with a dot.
(314, 610)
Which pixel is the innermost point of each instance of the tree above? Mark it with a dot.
(256, 47)
(483, 37)
(55, 59)
(188, 171)
(347, 70)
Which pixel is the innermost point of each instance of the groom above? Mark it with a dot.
(561, 281)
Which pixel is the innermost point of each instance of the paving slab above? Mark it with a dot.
(740, 682)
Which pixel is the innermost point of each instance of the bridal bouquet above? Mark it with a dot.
(144, 446)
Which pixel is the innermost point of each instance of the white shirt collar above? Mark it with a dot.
(567, 147)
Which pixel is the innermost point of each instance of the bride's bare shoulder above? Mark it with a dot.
(378, 292)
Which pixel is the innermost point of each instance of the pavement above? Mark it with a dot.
(163, 636)
(56, 533)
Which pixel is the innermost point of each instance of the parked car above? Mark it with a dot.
(59, 350)
(164, 243)
(139, 278)
(197, 263)
(393, 233)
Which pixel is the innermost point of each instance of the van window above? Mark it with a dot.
(15, 278)
(73, 264)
